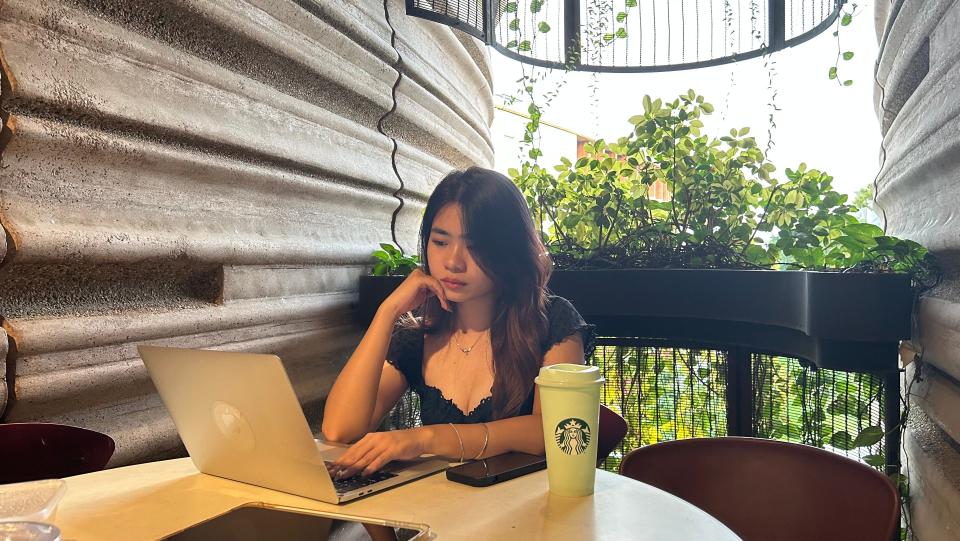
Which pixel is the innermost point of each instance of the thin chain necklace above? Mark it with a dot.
(467, 349)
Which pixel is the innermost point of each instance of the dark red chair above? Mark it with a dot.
(767, 490)
(612, 430)
(32, 451)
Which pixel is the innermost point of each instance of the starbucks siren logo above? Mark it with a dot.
(572, 436)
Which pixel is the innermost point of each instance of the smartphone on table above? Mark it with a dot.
(489, 471)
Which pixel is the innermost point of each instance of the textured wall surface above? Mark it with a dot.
(919, 187)
(207, 174)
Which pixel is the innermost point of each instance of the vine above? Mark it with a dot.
(846, 17)
(731, 43)
(770, 67)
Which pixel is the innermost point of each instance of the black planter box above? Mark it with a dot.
(840, 321)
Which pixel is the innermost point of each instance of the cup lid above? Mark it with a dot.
(568, 375)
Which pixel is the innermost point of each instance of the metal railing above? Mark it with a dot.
(667, 392)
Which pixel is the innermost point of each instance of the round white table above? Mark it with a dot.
(153, 500)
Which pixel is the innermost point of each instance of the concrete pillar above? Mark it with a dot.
(918, 102)
(211, 175)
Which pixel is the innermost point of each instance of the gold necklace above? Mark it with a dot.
(467, 349)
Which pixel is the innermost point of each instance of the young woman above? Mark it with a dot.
(486, 326)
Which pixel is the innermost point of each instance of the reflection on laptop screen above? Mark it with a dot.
(255, 523)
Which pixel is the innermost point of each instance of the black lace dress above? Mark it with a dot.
(406, 355)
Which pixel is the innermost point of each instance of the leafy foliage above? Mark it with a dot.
(864, 197)
(726, 208)
(390, 261)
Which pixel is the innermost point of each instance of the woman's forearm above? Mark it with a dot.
(523, 433)
(351, 402)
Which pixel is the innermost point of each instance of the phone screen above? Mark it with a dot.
(496, 466)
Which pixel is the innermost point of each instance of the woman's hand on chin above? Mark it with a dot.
(413, 292)
(376, 449)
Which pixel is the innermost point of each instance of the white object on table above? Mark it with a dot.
(34, 501)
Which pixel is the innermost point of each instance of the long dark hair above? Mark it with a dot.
(507, 247)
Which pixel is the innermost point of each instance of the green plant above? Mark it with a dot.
(725, 207)
(390, 261)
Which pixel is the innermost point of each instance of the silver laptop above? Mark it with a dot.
(240, 419)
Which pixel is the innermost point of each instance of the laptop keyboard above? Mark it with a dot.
(358, 481)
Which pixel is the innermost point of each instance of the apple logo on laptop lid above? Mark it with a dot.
(233, 426)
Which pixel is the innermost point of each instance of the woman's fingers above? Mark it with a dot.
(432, 285)
(379, 453)
(377, 449)
(437, 288)
(355, 466)
(345, 465)
(364, 453)
(377, 463)
(415, 290)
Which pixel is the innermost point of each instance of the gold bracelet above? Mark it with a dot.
(457, 432)
(486, 440)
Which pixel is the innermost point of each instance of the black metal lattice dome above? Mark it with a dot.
(633, 35)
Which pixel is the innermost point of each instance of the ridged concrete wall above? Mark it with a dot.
(919, 187)
(207, 174)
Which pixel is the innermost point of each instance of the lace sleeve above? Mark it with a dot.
(405, 353)
(564, 320)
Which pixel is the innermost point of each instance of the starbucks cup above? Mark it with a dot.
(570, 408)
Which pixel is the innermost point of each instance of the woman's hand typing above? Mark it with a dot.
(376, 449)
